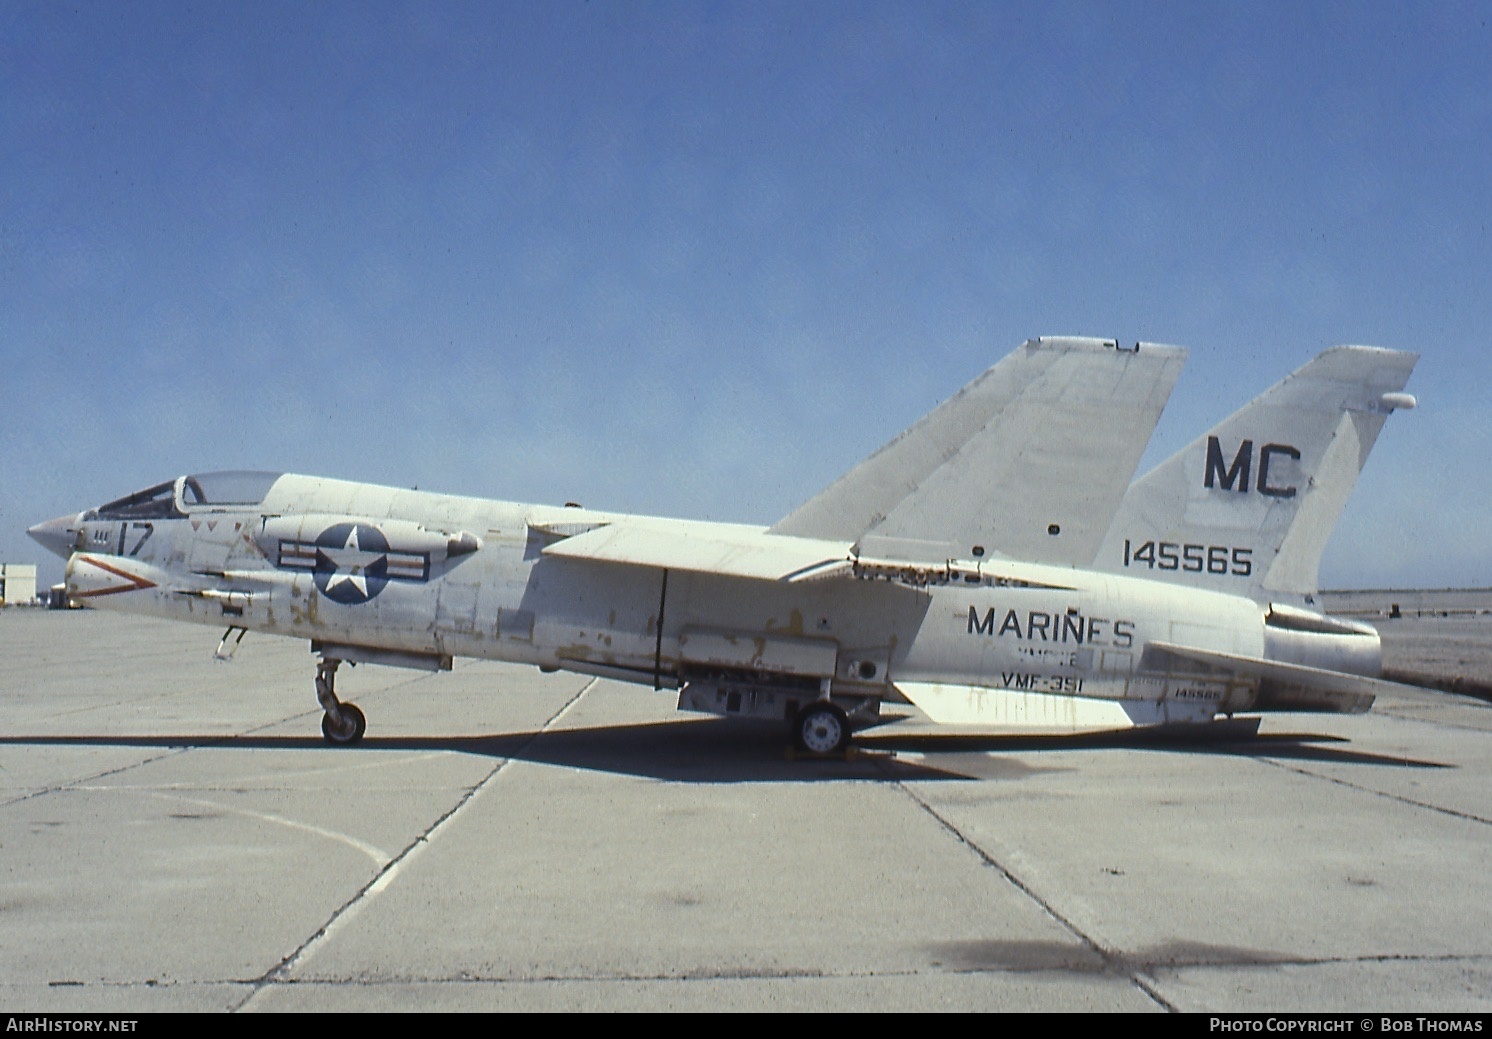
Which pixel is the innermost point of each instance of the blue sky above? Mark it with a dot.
(697, 259)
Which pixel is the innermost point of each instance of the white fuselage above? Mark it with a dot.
(358, 567)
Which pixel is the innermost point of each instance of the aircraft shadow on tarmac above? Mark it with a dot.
(1027, 955)
(706, 751)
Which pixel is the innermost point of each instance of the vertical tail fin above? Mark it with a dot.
(1247, 508)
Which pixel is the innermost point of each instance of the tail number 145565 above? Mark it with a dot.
(1169, 555)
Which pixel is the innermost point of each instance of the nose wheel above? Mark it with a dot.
(343, 723)
(348, 729)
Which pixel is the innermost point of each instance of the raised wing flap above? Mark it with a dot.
(702, 548)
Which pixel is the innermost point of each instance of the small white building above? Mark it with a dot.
(17, 583)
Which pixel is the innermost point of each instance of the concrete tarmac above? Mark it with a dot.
(174, 835)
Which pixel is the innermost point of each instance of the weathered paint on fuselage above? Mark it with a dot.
(997, 623)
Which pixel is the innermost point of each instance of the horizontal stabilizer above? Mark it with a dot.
(702, 548)
(1036, 713)
(1287, 687)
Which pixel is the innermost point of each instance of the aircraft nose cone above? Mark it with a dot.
(57, 535)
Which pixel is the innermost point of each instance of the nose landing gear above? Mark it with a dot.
(343, 724)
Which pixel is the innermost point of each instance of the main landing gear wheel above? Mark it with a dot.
(821, 728)
(343, 723)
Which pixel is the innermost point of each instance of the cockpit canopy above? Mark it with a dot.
(235, 488)
(231, 487)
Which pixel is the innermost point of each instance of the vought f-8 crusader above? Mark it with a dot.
(992, 566)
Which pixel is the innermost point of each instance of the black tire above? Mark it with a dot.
(821, 728)
(352, 728)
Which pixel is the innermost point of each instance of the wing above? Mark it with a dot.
(1030, 460)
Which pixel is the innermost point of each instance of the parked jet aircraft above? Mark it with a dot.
(991, 565)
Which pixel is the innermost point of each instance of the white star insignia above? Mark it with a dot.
(351, 562)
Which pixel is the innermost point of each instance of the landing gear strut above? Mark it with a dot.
(343, 723)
